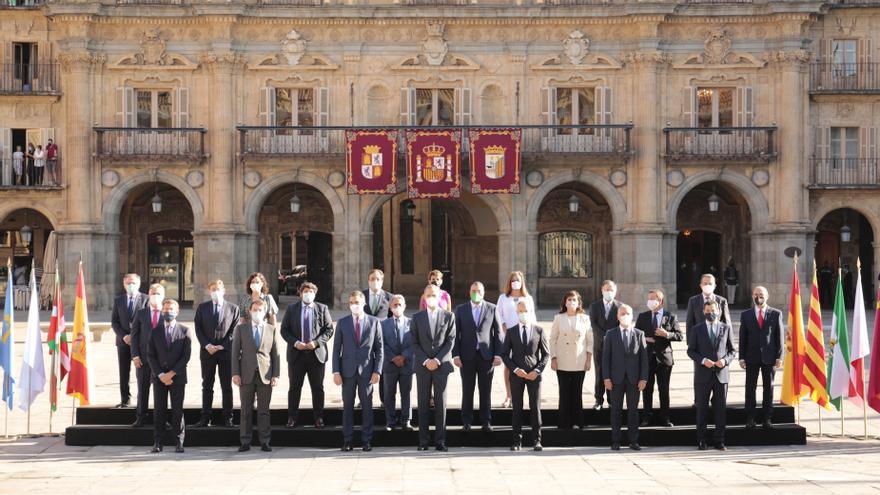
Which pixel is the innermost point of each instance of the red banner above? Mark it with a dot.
(433, 167)
(371, 161)
(495, 160)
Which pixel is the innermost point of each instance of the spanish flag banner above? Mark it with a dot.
(78, 380)
(793, 384)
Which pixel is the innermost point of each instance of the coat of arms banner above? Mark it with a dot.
(433, 165)
(495, 160)
(371, 161)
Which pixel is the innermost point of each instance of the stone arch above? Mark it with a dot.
(260, 193)
(599, 183)
(827, 207)
(11, 207)
(112, 206)
(758, 208)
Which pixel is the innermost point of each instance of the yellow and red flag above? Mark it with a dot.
(814, 365)
(793, 384)
(78, 379)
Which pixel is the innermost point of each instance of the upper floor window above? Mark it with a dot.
(435, 106)
(708, 107)
(844, 54)
(563, 107)
(154, 108)
(297, 107)
(844, 143)
(715, 107)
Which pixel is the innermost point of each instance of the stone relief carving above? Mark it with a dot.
(718, 52)
(435, 54)
(435, 48)
(576, 54)
(293, 54)
(576, 47)
(153, 55)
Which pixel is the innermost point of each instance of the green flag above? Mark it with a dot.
(838, 379)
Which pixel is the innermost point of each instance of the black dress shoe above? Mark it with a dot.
(422, 448)
(646, 420)
(203, 423)
(407, 427)
(487, 428)
(227, 423)
(597, 406)
(466, 427)
(703, 446)
(139, 422)
(666, 423)
(750, 423)
(122, 404)
(516, 446)
(319, 423)
(178, 449)
(265, 447)
(389, 427)
(615, 446)
(441, 447)
(635, 446)
(291, 423)
(721, 447)
(157, 447)
(538, 447)
(167, 425)
(767, 424)
(367, 447)
(346, 447)
(244, 448)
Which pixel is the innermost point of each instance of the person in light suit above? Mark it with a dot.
(397, 370)
(710, 346)
(121, 318)
(256, 366)
(761, 336)
(625, 374)
(571, 351)
(357, 366)
(169, 351)
(603, 317)
(661, 330)
(144, 322)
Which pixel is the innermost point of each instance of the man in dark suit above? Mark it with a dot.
(476, 352)
(377, 302)
(761, 335)
(625, 373)
(397, 369)
(525, 352)
(661, 329)
(433, 335)
(710, 346)
(168, 352)
(145, 321)
(603, 317)
(124, 309)
(696, 303)
(256, 367)
(215, 321)
(307, 327)
(357, 365)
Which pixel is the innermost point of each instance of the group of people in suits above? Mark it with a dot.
(377, 345)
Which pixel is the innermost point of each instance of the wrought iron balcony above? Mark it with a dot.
(23, 175)
(831, 173)
(14, 4)
(736, 144)
(845, 78)
(137, 143)
(610, 141)
(30, 79)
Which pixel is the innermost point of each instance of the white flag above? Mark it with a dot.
(32, 379)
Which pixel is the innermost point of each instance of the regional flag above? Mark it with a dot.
(814, 355)
(859, 349)
(874, 375)
(57, 341)
(838, 380)
(793, 385)
(7, 340)
(32, 374)
(78, 381)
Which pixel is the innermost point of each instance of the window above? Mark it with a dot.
(153, 108)
(566, 254)
(715, 107)
(435, 106)
(844, 146)
(295, 107)
(24, 63)
(575, 106)
(843, 56)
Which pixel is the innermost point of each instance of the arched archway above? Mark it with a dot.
(757, 203)
(25, 236)
(844, 238)
(617, 205)
(112, 207)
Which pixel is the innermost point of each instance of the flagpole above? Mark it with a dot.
(6, 406)
(842, 432)
(820, 419)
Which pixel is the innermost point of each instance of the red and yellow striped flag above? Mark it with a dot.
(78, 379)
(793, 384)
(814, 364)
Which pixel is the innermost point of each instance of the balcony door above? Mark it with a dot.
(564, 108)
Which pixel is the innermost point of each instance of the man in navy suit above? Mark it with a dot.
(168, 352)
(377, 302)
(761, 334)
(661, 329)
(142, 327)
(357, 365)
(124, 309)
(603, 317)
(710, 346)
(476, 352)
(625, 374)
(397, 369)
(215, 322)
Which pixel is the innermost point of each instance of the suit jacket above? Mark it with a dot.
(353, 357)
(695, 311)
(472, 337)
(433, 343)
(384, 309)
(700, 347)
(246, 356)
(661, 349)
(528, 356)
(393, 346)
(141, 328)
(120, 320)
(164, 358)
(571, 345)
(761, 345)
(601, 325)
(624, 362)
(322, 330)
(216, 331)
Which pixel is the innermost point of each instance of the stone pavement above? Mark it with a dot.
(827, 464)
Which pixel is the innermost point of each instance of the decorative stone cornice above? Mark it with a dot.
(222, 61)
(646, 58)
(80, 60)
(797, 59)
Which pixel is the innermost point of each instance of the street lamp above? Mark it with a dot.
(27, 234)
(295, 203)
(714, 201)
(573, 204)
(845, 233)
(157, 203)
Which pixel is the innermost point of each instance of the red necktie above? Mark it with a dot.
(357, 331)
(155, 318)
(761, 318)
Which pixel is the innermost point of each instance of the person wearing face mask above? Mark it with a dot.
(377, 302)
(257, 289)
(761, 336)
(168, 352)
(397, 369)
(307, 328)
(661, 329)
(215, 321)
(525, 353)
(121, 318)
(435, 277)
(603, 317)
(710, 346)
(571, 352)
(707, 293)
(514, 291)
(433, 336)
(145, 321)
(625, 374)
(357, 366)
(256, 366)
(476, 352)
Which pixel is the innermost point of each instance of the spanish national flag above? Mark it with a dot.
(793, 384)
(78, 379)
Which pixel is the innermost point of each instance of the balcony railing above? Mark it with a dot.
(845, 78)
(611, 141)
(186, 143)
(857, 3)
(304, 3)
(845, 172)
(24, 176)
(685, 144)
(7, 4)
(29, 79)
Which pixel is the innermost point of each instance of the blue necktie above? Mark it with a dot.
(257, 336)
(130, 306)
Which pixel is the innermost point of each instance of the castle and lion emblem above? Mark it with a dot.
(433, 164)
(371, 162)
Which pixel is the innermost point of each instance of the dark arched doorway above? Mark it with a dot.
(25, 238)
(843, 237)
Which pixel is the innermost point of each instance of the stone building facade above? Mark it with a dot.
(636, 115)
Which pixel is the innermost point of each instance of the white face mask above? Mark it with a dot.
(257, 316)
(131, 288)
(708, 289)
(571, 304)
(308, 297)
(625, 320)
(653, 304)
(217, 296)
(431, 302)
(256, 288)
(516, 285)
(608, 295)
(376, 285)
(523, 318)
(397, 311)
(356, 309)
(156, 300)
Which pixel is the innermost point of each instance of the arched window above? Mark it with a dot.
(566, 254)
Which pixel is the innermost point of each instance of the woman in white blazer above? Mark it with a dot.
(571, 345)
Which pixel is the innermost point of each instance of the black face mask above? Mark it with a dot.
(759, 301)
(436, 282)
(710, 317)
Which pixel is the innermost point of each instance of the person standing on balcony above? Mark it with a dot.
(39, 165)
(29, 164)
(52, 163)
(18, 166)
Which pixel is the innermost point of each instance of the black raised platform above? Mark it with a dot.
(110, 426)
